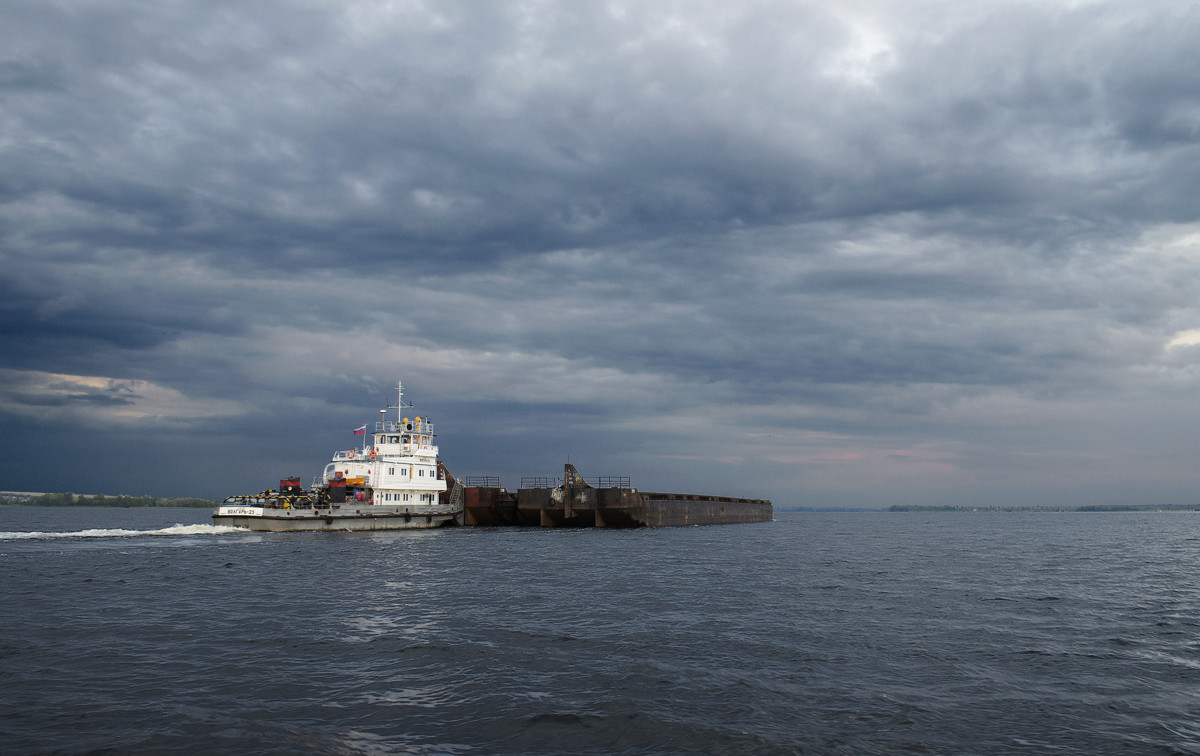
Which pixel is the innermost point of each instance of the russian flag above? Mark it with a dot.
(360, 429)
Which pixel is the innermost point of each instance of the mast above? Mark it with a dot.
(398, 406)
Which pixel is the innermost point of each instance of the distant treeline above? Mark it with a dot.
(72, 500)
(1082, 508)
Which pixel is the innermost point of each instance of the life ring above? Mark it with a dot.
(350, 454)
(372, 452)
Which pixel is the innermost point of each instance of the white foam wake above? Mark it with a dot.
(120, 533)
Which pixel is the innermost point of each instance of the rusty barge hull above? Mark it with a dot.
(575, 504)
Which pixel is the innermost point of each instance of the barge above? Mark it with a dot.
(611, 503)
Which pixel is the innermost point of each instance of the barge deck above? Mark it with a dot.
(576, 503)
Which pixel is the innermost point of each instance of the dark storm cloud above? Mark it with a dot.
(26, 76)
(881, 233)
(462, 136)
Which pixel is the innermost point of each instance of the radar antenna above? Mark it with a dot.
(399, 405)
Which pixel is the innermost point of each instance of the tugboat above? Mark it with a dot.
(394, 482)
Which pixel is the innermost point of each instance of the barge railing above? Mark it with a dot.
(603, 481)
(482, 481)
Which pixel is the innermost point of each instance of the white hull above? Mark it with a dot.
(369, 518)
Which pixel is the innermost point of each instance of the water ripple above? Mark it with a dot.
(817, 634)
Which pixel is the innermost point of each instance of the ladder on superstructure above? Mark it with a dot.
(458, 497)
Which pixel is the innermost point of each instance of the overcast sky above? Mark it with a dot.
(834, 254)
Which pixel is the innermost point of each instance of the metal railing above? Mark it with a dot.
(391, 426)
(272, 500)
(482, 481)
(603, 481)
(612, 481)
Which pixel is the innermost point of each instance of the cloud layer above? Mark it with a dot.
(888, 252)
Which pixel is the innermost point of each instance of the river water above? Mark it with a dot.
(149, 631)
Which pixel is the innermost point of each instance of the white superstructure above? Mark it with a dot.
(398, 463)
(393, 481)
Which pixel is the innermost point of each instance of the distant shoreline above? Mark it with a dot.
(952, 508)
(1080, 508)
(106, 506)
(31, 499)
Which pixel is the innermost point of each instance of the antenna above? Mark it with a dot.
(399, 405)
